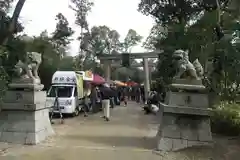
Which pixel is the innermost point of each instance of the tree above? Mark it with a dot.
(9, 26)
(178, 11)
(157, 33)
(12, 25)
(176, 16)
(66, 64)
(100, 40)
(5, 5)
(81, 8)
(62, 34)
(132, 39)
(200, 38)
(103, 40)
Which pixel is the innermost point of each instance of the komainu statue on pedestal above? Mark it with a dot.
(27, 73)
(29, 68)
(186, 69)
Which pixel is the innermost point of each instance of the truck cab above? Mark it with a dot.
(66, 98)
(67, 87)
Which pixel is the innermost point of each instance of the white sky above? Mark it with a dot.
(121, 15)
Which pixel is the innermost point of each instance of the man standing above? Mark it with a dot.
(93, 99)
(98, 100)
(86, 101)
(106, 94)
(142, 93)
(124, 94)
(112, 99)
(138, 94)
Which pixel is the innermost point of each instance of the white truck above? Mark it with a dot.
(68, 86)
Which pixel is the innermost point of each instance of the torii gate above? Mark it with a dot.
(106, 60)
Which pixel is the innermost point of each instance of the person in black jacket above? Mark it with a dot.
(124, 94)
(106, 94)
(138, 94)
(93, 99)
(113, 96)
(142, 93)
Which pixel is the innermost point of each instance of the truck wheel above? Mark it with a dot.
(76, 112)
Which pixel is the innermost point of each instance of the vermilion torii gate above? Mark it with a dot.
(106, 60)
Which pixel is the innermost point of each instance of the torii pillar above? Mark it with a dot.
(107, 70)
(146, 78)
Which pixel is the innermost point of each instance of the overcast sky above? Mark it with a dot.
(121, 15)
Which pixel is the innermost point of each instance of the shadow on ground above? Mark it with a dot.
(117, 141)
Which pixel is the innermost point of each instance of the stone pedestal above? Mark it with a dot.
(24, 118)
(26, 84)
(185, 117)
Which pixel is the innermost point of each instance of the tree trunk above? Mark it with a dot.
(13, 21)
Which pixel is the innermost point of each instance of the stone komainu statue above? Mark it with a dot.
(186, 69)
(29, 68)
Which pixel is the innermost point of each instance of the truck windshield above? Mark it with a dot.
(62, 91)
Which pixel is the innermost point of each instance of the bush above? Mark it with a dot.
(225, 119)
(3, 82)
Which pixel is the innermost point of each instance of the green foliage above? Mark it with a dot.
(167, 12)
(137, 76)
(3, 74)
(100, 40)
(182, 25)
(125, 60)
(165, 65)
(103, 40)
(4, 23)
(61, 35)
(81, 8)
(226, 119)
(132, 39)
(8, 51)
(3, 82)
(63, 31)
(5, 5)
(66, 64)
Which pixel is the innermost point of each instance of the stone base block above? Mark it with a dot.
(186, 99)
(185, 110)
(26, 84)
(25, 127)
(170, 144)
(24, 100)
(179, 131)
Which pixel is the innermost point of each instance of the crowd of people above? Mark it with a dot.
(104, 96)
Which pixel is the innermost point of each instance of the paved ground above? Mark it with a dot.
(129, 135)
